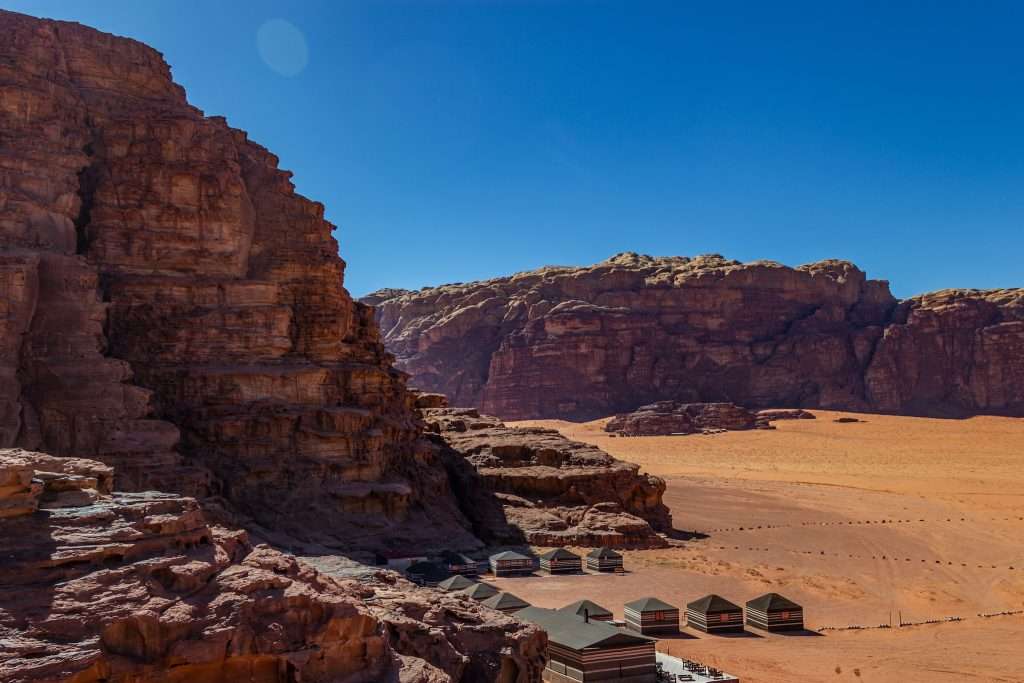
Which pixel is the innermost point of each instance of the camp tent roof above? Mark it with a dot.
(505, 601)
(510, 555)
(456, 583)
(711, 604)
(569, 630)
(430, 571)
(649, 604)
(603, 553)
(594, 609)
(452, 557)
(479, 591)
(559, 554)
(772, 601)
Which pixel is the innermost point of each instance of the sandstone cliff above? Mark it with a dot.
(532, 485)
(169, 305)
(587, 342)
(122, 587)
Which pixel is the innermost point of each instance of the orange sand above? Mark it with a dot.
(859, 522)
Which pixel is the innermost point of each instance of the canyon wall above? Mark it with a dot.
(587, 342)
(171, 306)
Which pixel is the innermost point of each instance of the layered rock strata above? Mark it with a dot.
(532, 485)
(164, 292)
(583, 343)
(123, 587)
(671, 417)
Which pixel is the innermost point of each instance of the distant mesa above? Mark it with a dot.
(582, 343)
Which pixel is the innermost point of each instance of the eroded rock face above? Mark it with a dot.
(123, 587)
(672, 417)
(164, 292)
(950, 353)
(583, 343)
(527, 484)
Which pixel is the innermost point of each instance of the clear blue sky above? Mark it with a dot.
(452, 141)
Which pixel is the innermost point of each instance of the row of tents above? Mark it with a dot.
(431, 572)
(715, 614)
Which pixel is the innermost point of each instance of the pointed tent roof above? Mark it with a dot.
(559, 554)
(711, 604)
(772, 601)
(452, 557)
(479, 591)
(505, 601)
(510, 555)
(605, 553)
(571, 631)
(649, 605)
(594, 609)
(430, 571)
(456, 583)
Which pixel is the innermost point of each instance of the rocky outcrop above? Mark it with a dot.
(122, 587)
(773, 414)
(170, 306)
(951, 353)
(528, 484)
(583, 343)
(671, 417)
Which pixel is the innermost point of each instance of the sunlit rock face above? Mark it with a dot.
(169, 305)
(100, 585)
(533, 485)
(587, 342)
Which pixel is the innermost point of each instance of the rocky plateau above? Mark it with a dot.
(588, 342)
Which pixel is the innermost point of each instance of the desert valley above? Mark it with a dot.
(218, 465)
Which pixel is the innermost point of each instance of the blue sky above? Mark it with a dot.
(453, 141)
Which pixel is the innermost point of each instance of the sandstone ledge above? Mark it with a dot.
(533, 485)
(121, 587)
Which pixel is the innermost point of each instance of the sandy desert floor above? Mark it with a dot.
(862, 523)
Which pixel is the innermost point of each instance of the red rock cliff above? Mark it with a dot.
(164, 292)
(588, 342)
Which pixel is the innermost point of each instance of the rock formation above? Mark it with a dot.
(121, 587)
(583, 343)
(672, 417)
(528, 484)
(170, 306)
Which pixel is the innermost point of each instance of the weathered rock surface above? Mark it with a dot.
(583, 343)
(527, 484)
(772, 414)
(672, 417)
(170, 306)
(124, 587)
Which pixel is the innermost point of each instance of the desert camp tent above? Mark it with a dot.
(457, 563)
(505, 602)
(604, 560)
(456, 583)
(714, 614)
(426, 573)
(561, 561)
(774, 612)
(580, 650)
(479, 591)
(651, 615)
(511, 563)
(587, 608)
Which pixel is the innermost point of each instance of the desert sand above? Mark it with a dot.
(863, 523)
